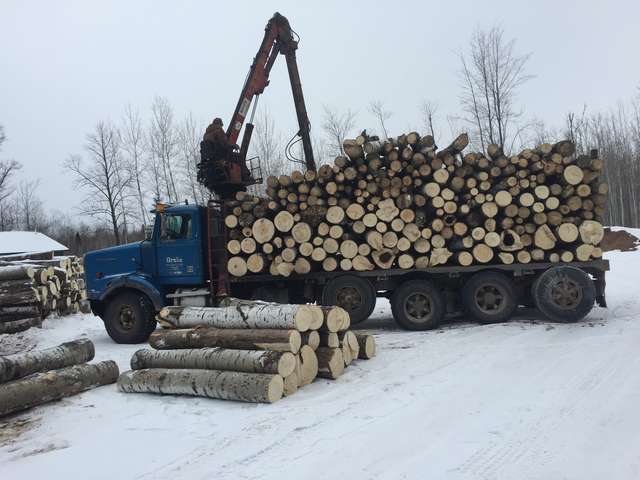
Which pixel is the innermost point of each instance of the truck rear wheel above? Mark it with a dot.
(489, 297)
(564, 294)
(417, 305)
(356, 295)
(129, 318)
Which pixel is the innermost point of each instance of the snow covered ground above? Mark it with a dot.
(523, 400)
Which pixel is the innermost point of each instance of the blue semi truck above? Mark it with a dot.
(183, 262)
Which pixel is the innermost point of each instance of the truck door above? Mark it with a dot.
(179, 250)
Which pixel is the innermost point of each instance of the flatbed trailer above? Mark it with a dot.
(497, 289)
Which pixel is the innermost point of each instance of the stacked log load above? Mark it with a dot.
(401, 203)
(246, 351)
(34, 378)
(31, 289)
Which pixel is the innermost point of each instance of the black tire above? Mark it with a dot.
(129, 318)
(489, 297)
(356, 295)
(564, 294)
(418, 305)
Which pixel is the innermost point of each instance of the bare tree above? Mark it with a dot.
(269, 145)
(189, 136)
(134, 143)
(491, 73)
(429, 109)
(336, 127)
(163, 142)
(9, 215)
(321, 151)
(29, 204)
(8, 169)
(382, 115)
(577, 129)
(103, 177)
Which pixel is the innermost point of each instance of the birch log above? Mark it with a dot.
(307, 367)
(41, 388)
(367, 346)
(248, 361)
(297, 317)
(246, 387)
(64, 355)
(349, 339)
(17, 272)
(263, 339)
(311, 338)
(330, 362)
(15, 326)
(317, 316)
(291, 383)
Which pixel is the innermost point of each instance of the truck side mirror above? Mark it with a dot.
(148, 232)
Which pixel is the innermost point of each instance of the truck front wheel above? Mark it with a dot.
(129, 318)
(356, 295)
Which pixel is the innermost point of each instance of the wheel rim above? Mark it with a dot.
(418, 307)
(349, 298)
(490, 299)
(126, 317)
(565, 293)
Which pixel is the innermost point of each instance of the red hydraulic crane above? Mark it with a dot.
(278, 39)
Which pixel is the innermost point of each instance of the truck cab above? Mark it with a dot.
(127, 284)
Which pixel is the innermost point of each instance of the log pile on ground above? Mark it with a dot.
(38, 377)
(32, 288)
(246, 351)
(401, 203)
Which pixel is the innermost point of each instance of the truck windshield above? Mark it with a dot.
(175, 227)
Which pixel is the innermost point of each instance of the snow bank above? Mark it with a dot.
(527, 400)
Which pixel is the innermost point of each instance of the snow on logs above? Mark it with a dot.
(41, 376)
(245, 350)
(34, 285)
(400, 203)
(64, 355)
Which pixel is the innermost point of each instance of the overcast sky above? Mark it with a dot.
(65, 65)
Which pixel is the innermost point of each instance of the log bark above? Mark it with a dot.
(17, 272)
(248, 361)
(246, 387)
(243, 339)
(258, 315)
(64, 355)
(45, 387)
(15, 326)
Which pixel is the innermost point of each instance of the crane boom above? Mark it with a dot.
(278, 39)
